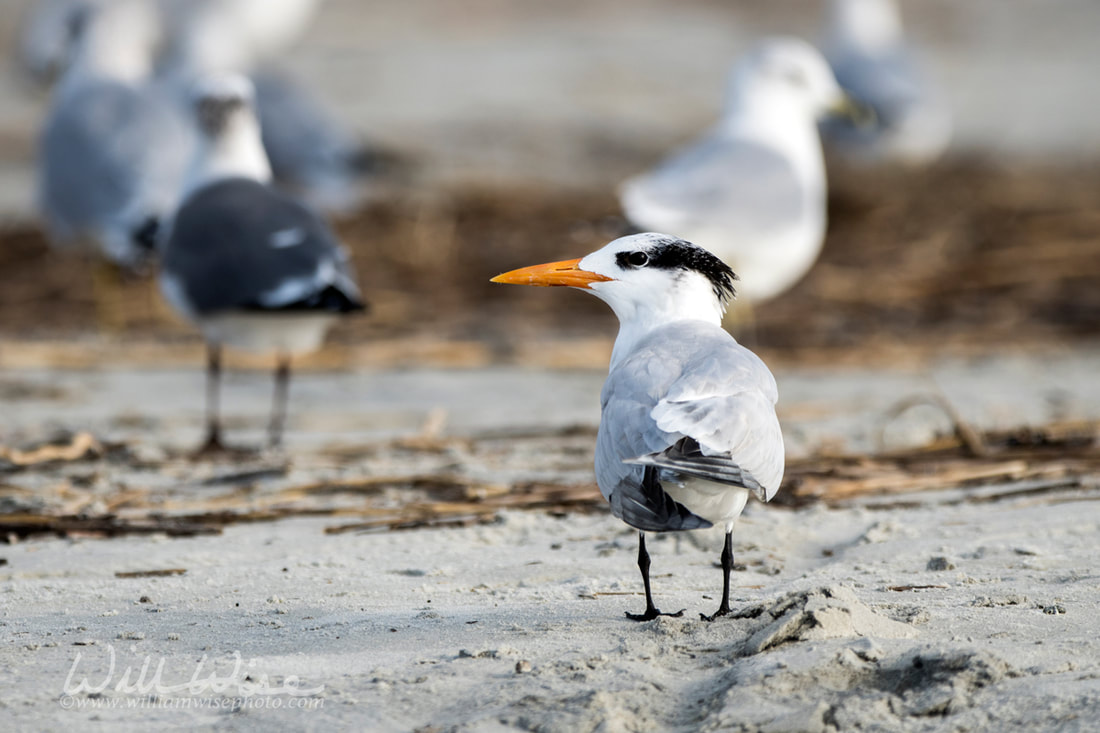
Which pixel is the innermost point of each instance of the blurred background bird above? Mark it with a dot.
(234, 35)
(528, 118)
(46, 39)
(752, 189)
(252, 267)
(311, 152)
(873, 61)
(114, 146)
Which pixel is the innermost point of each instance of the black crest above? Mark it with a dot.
(677, 254)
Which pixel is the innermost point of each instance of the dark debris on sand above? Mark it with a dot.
(963, 254)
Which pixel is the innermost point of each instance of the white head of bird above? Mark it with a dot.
(649, 280)
(230, 143)
(113, 40)
(780, 82)
(218, 36)
(867, 25)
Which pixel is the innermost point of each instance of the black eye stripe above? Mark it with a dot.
(676, 254)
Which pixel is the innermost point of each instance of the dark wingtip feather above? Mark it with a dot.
(331, 299)
(336, 300)
(145, 234)
(686, 457)
(648, 507)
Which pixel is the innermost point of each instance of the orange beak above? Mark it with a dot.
(561, 274)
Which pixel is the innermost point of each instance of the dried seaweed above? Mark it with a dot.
(158, 573)
(1046, 463)
(79, 446)
(963, 255)
(1058, 455)
(17, 526)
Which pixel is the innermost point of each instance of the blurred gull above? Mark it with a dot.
(752, 190)
(113, 148)
(867, 49)
(46, 37)
(235, 35)
(252, 267)
(226, 34)
(688, 428)
(310, 151)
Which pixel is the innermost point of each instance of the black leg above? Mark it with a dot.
(727, 568)
(278, 406)
(213, 386)
(651, 611)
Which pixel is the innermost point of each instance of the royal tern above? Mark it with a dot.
(752, 190)
(113, 149)
(253, 267)
(866, 46)
(688, 427)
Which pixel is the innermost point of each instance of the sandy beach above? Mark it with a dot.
(841, 624)
(963, 608)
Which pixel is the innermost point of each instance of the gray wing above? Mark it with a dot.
(166, 140)
(110, 156)
(718, 182)
(890, 84)
(626, 431)
(308, 148)
(87, 172)
(688, 400)
(240, 245)
(726, 405)
(909, 113)
(45, 37)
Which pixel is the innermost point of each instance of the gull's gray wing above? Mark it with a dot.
(308, 148)
(890, 83)
(45, 37)
(87, 172)
(719, 182)
(688, 400)
(111, 156)
(238, 244)
(911, 117)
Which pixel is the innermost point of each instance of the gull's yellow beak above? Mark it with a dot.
(852, 109)
(561, 274)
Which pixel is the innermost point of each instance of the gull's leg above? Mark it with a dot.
(278, 405)
(213, 386)
(651, 611)
(727, 568)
